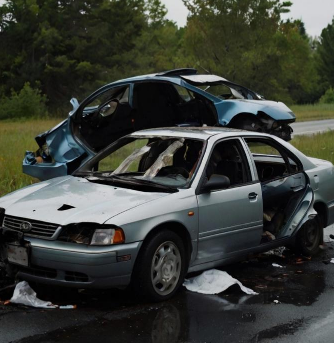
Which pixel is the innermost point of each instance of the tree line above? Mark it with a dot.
(54, 50)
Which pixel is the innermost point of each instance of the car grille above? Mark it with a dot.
(38, 228)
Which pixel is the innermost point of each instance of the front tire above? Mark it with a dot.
(161, 266)
(309, 237)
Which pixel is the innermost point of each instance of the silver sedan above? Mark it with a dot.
(160, 203)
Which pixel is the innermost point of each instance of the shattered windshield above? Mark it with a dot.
(169, 162)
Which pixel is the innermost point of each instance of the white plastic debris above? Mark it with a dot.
(332, 260)
(277, 265)
(276, 302)
(25, 295)
(213, 282)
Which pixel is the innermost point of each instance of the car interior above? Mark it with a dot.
(283, 181)
(153, 104)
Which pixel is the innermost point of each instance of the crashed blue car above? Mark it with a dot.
(174, 98)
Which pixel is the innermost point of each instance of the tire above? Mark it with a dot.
(160, 267)
(309, 237)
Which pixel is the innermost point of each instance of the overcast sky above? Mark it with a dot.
(316, 14)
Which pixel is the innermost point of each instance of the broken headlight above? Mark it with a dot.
(92, 234)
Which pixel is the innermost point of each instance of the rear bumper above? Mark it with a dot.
(72, 265)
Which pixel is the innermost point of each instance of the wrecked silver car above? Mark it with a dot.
(174, 98)
(159, 203)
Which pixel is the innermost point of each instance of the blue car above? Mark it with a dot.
(174, 98)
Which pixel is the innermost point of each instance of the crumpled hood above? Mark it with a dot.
(92, 202)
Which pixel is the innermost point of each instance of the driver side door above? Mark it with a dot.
(230, 220)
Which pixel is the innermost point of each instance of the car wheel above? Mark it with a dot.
(161, 266)
(309, 237)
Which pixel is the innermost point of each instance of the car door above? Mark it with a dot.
(101, 119)
(230, 219)
(286, 192)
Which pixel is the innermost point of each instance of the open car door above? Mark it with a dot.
(287, 196)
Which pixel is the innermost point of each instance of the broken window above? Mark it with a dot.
(169, 161)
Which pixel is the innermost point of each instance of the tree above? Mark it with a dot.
(246, 41)
(325, 52)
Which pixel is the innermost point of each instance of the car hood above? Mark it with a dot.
(71, 199)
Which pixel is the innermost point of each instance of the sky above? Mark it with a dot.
(316, 14)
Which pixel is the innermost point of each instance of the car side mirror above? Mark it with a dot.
(216, 182)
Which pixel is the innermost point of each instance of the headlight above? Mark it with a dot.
(92, 234)
(108, 236)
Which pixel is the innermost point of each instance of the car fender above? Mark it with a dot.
(229, 109)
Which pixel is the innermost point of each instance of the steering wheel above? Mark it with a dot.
(173, 170)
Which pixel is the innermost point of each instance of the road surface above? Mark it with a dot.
(294, 304)
(311, 127)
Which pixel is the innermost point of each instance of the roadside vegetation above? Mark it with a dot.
(56, 50)
(318, 111)
(17, 137)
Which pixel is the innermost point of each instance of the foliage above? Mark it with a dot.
(313, 112)
(15, 138)
(68, 48)
(326, 54)
(328, 97)
(27, 103)
(246, 41)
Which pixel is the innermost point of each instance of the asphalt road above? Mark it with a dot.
(311, 127)
(294, 304)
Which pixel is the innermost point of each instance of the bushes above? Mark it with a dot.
(27, 103)
(328, 97)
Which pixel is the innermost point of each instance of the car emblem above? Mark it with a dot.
(25, 226)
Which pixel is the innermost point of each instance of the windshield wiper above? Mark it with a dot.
(153, 184)
(112, 179)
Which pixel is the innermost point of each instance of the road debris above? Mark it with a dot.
(277, 265)
(276, 302)
(213, 282)
(25, 295)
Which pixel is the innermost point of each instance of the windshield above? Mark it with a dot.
(227, 91)
(168, 162)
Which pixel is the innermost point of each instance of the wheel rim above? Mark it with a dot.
(166, 268)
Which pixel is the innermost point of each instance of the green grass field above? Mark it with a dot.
(17, 137)
(313, 112)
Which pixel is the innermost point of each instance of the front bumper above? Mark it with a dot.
(75, 265)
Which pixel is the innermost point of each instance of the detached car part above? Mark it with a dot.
(173, 98)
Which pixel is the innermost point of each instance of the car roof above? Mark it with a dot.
(203, 132)
(187, 74)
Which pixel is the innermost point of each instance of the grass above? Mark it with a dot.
(313, 112)
(320, 145)
(17, 137)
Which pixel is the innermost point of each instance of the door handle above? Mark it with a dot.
(252, 196)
